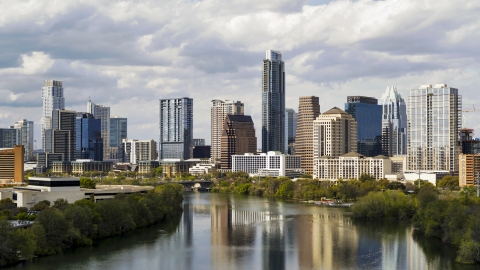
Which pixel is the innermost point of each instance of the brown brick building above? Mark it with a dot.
(238, 138)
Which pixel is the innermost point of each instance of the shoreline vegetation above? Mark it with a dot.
(67, 225)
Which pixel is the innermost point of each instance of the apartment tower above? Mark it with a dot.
(434, 118)
(25, 137)
(61, 138)
(308, 111)
(118, 132)
(176, 128)
(334, 134)
(103, 113)
(52, 95)
(220, 109)
(273, 103)
(238, 138)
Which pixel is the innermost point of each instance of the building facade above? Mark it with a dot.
(469, 169)
(368, 114)
(291, 121)
(61, 138)
(8, 137)
(238, 138)
(138, 150)
(25, 136)
(308, 111)
(274, 135)
(103, 113)
(334, 134)
(469, 144)
(271, 163)
(351, 166)
(118, 132)
(220, 109)
(52, 96)
(176, 128)
(89, 142)
(434, 119)
(394, 123)
(11, 164)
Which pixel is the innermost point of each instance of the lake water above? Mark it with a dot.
(222, 231)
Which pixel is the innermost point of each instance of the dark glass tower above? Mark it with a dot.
(89, 143)
(273, 103)
(368, 115)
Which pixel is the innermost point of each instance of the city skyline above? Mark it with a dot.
(145, 60)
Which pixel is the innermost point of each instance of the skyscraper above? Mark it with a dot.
(8, 137)
(118, 132)
(139, 150)
(25, 137)
(61, 138)
(89, 143)
(434, 119)
(176, 128)
(238, 138)
(394, 123)
(334, 134)
(273, 103)
(220, 108)
(291, 120)
(368, 115)
(308, 111)
(52, 95)
(103, 113)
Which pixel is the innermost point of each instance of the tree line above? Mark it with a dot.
(65, 225)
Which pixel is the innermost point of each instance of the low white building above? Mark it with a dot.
(351, 166)
(68, 188)
(202, 168)
(430, 176)
(266, 164)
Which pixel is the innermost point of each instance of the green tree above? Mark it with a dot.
(158, 171)
(285, 190)
(52, 231)
(60, 204)
(426, 194)
(395, 185)
(41, 205)
(364, 177)
(448, 182)
(87, 183)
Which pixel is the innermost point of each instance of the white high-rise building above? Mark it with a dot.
(25, 137)
(434, 122)
(139, 150)
(103, 113)
(394, 123)
(221, 108)
(52, 95)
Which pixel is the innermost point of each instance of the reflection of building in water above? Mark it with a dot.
(273, 237)
(394, 250)
(229, 228)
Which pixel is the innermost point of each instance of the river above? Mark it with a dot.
(222, 231)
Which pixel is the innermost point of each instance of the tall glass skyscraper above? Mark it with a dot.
(176, 128)
(25, 137)
(291, 119)
(89, 143)
(368, 115)
(434, 119)
(118, 132)
(103, 113)
(394, 123)
(52, 95)
(273, 103)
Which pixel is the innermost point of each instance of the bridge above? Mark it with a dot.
(200, 185)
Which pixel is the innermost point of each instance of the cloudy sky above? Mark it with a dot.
(129, 54)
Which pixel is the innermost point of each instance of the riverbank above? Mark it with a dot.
(68, 225)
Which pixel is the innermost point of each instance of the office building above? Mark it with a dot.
(434, 119)
(221, 108)
(25, 137)
(273, 103)
(61, 138)
(351, 166)
(202, 151)
(89, 142)
(148, 166)
(334, 134)
(394, 123)
(308, 111)
(469, 169)
(368, 115)
(8, 137)
(45, 161)
(118, 132)
(176, 128)
(198, 142)
(52, 95)
(11, 164)
(138, 150)
(267, 164)
(238, 137)
(103, 113)
(291, 120)
(469, 144)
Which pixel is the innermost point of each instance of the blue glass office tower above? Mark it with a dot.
(368, 115)
(273, 103)
(176, 128)
(89, 143)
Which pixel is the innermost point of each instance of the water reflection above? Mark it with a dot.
(220, 231)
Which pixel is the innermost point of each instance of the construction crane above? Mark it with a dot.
(467, 111)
